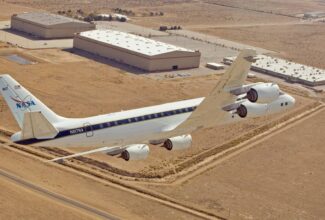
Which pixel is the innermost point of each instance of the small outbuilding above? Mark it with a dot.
(215, 66)
(140, 52)
(47, 25)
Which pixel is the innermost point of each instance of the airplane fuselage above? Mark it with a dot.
(138, 125)
(111, 129)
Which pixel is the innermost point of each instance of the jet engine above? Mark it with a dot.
(135, 152)
(250, 110)
(179, 142)
(263, 93)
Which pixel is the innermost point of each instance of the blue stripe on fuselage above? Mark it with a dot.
(110, 124)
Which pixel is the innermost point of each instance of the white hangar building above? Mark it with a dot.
(136, 51)
(46, 25)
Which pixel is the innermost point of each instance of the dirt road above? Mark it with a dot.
(59, 198)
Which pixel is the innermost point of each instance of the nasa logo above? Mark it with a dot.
(23, 104)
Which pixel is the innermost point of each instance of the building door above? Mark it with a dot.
(88, 129)
(175, 67)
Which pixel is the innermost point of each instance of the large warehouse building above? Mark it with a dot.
(136, 51)
(46, 25)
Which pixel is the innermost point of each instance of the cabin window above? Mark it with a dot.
(111, 124)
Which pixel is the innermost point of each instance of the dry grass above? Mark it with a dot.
(17, 202)
(6, 10)
(200, 14)
(289, 7)
(281, 177)
(302, 43)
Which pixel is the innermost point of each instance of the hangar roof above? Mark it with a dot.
(47, 19)
(132, 42)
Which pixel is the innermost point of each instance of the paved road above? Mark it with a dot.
(62, 199)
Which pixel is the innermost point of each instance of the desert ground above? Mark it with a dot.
(14, 197)
(277, 175)
(279, 178)
(104, 196)
(120, 90)
(281, 38)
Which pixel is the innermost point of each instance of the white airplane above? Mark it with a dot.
(129, 132)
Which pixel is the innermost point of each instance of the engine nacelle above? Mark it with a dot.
(179, 142)
(136, 152)
(16, 137)
(251, 110)
(264, 93)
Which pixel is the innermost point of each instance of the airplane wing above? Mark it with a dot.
(210, 112)
(108, 150)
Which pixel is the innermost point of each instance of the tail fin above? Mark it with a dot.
(21, 101)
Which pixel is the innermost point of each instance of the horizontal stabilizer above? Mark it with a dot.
(35, 125)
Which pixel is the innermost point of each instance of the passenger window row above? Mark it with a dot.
(142, 118)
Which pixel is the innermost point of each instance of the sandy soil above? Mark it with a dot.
(180, 12)
(202, 14)
(282, 38)
(103, 196)
(92, 6)
(289, 7)
(14, 200)
(6, 10)
(281, 178)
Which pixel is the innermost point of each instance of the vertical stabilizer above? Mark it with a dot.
(21, 101)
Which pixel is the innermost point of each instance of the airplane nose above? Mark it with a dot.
(292, 100)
